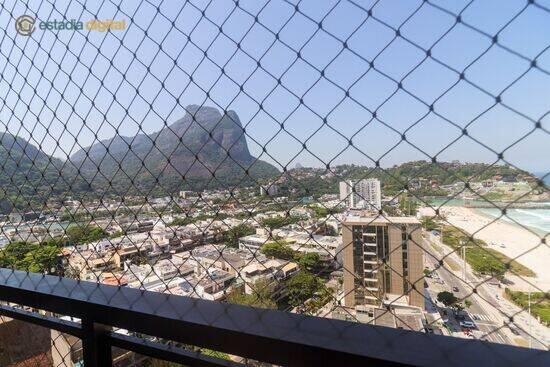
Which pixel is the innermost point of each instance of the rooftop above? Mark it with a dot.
(379, 220)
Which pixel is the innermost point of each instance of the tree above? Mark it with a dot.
(231, 237)
(427, 272)
(117, 234)
(407, 204)
(82, 234)
(278, 222)
(279, 250)
(428, 223)
(301, 287)
(43, 259)
(491, 267)
(390, 210)
(467, 303)
(447, 298)
(262, 295)
(309, 261)
(33, 257)
(321, 212)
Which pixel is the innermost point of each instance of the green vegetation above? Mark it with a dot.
(408, 205)
(28, 176)
(510, 191)
(321, 212)
(310, 261)
(215, 354)
(279, 249)
(323, 296)
(396, 179)
(447, 298)
(302, 287)
(429, 223)
(282, 250)
(183, 221)
(262, 295)
(33, 257)
(482, 259)
(390, 210)
(231, 237)
(540, 303)
(116, 234)
(278, 222)
(81, 234)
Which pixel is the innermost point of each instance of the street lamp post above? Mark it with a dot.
(529, 310)
(463, 250)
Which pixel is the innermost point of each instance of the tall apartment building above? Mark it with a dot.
(361, 194)
(269, 190)
(382, 257)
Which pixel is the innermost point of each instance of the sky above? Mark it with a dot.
(355, 80)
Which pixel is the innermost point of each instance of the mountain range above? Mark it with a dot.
(203, 149)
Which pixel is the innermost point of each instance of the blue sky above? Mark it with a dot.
(198, 38)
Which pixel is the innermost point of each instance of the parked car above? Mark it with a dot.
(455, 289)
(467, 324)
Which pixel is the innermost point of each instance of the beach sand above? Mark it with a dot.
(519, 243)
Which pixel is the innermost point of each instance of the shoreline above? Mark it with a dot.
(540, 232)
(479, 210)
(510, 239)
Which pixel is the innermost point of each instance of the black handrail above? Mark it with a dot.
(265, 335)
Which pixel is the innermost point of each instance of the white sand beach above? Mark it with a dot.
(512, 240)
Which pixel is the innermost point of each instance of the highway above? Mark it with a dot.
(487, 327)
(487, 310)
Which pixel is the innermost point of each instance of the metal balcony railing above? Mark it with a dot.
(268, 336)
(368, 161)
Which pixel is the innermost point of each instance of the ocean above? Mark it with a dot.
(537, 219)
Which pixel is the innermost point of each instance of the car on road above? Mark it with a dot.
(502, 245)
(455, 289)
(467, 324)
(514, 331)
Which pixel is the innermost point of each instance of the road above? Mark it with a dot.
(487, 328)
(488, 309)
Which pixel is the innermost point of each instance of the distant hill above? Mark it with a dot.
(422, 178)
(27, 175)
(186, 154)
(204, 149)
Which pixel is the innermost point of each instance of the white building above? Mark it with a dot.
(362, 194)
(269, 190)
